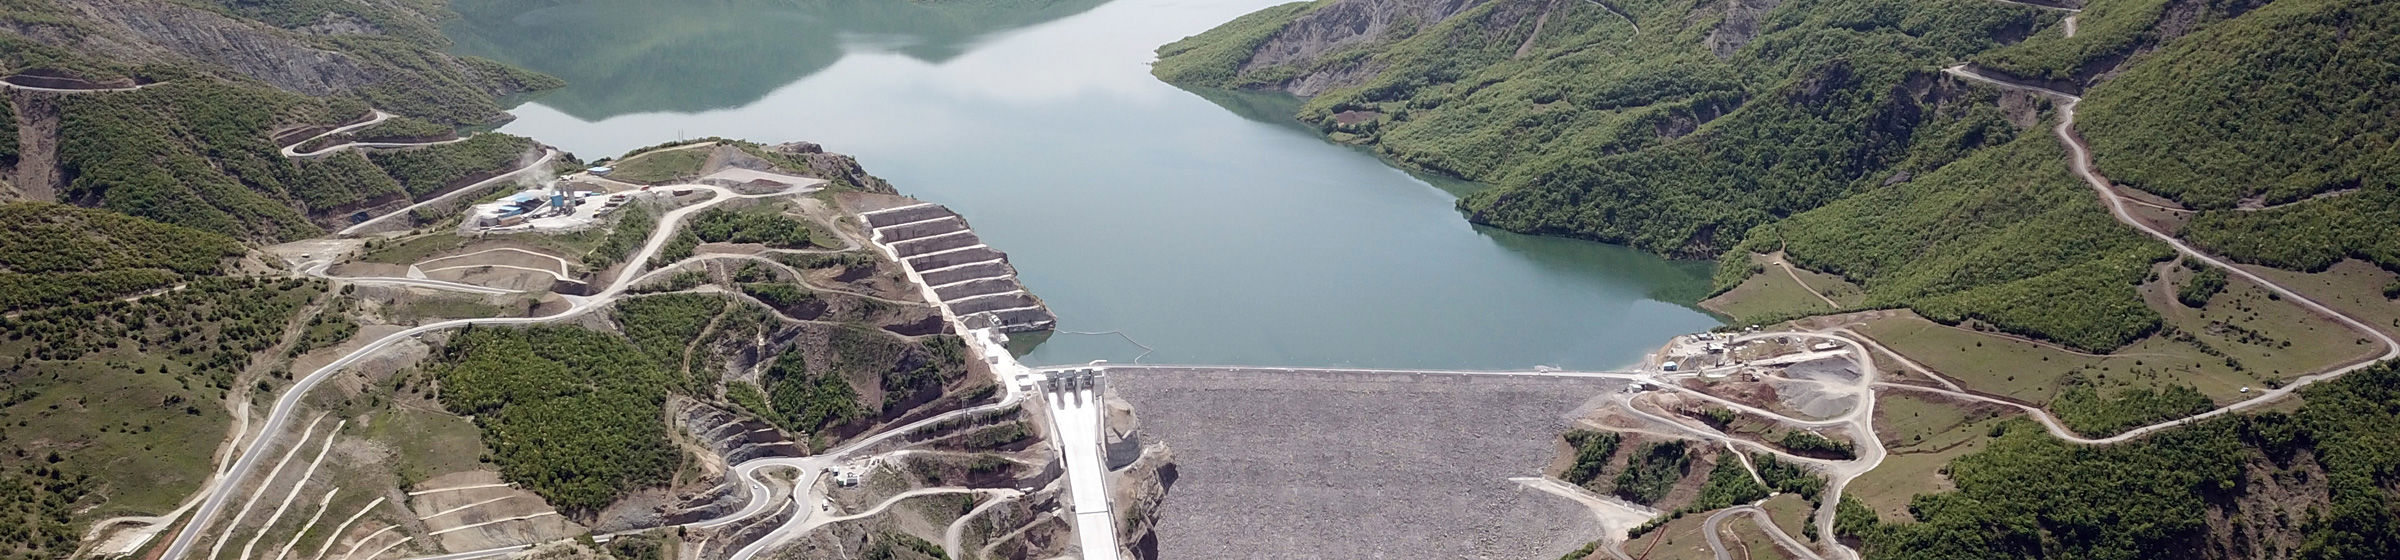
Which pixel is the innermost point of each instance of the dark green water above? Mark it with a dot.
(1208, 228)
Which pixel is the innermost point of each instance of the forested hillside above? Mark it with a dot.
(2232, 488)
(1711, 119)
(2290, 153)
(2006, 236)
(198, 152)
(53, 255)
(572, 414)
(1824, 128)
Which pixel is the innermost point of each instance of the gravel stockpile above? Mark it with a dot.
(1278, 464)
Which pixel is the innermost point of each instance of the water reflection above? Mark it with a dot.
(627, 56)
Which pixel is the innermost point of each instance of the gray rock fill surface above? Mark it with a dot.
(1275, 465)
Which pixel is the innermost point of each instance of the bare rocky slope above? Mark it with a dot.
(386, 52)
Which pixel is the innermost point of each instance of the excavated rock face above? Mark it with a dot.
(36, 175)
(1025, 528)
(730, 439)
(1140, 487)
(733, 438)
(1351, 22)
(1739, 26)
(1341, 26)
(834, 167)
(723, 541)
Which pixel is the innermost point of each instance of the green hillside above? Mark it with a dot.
(2288, 101)
(2006, 236)
(1830, 133)
(572, 414)
(197, 147)
(197, 152)
(2322, 470)
(2308, 112)
(1591, 130)
(209, 165)
(53, 255)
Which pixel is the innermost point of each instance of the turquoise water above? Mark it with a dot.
(1215, 232)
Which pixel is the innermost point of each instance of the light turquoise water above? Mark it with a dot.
(1216, 234)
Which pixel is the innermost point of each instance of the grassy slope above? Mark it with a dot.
(1766, 298)
(125, 393)
(105, 404)
(663, 166)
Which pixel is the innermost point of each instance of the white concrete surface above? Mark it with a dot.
(1075, 418)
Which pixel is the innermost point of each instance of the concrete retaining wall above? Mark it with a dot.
(981, 304)
(923, 230)
(945, 242)
(1038, 318)
(953, 258)
(932, 238)
(985, 286)
(906, 215)
(970, 272)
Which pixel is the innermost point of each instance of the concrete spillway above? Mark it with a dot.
(971, 280)
(1077, 420)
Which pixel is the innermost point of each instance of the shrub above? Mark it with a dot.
(2203, 285)
(1592, 450)
(1652, 472)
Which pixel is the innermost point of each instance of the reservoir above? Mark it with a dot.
(1210, 228)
